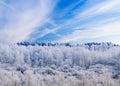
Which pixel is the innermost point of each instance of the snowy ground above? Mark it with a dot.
(85, 65)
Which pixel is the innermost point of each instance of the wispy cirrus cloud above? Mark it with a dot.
(110, 29)
(106, 26)
(6, 5)
(22, 21)
(63, 21)
(105, 7)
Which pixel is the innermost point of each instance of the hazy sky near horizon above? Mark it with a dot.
(75, 21)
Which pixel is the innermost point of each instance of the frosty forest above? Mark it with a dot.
(91, 64)
(38, 42)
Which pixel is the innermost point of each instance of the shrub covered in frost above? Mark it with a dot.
(59, 65)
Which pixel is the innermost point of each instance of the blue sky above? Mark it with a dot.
(75, 21)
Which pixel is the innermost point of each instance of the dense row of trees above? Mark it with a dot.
(60, 55)
(106, 44)
(27, 65)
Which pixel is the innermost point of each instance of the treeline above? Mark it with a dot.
(60, 55)
(91, 46)
(44, 44)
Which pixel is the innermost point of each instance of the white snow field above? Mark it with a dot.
(81, 65)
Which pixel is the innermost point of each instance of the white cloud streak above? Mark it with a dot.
(23, 22)
(6, 5)
(95, 29)
(107, 6)
(110, 30)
